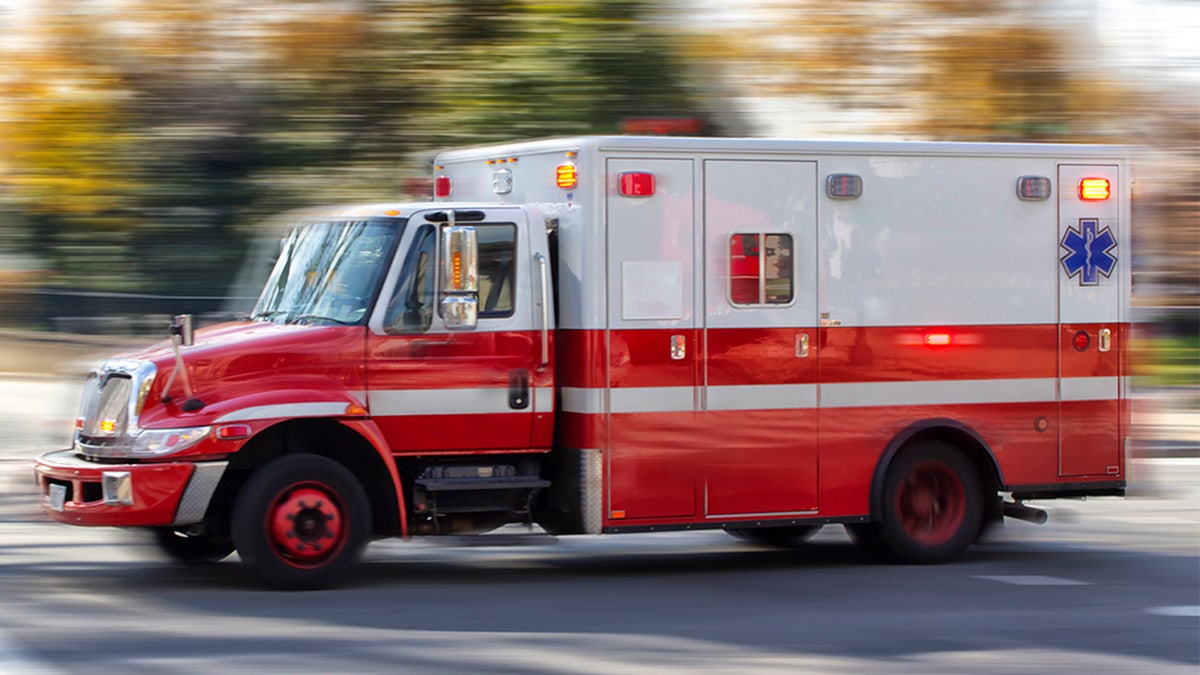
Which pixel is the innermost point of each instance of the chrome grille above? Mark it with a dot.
(110, 406)
(106, 405)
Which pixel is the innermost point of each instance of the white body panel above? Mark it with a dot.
(885, 258)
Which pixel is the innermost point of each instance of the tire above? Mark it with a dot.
(932, 505)
(191, 549)
(776, 537)
(301, 522)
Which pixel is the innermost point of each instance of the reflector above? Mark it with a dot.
(1082, 340)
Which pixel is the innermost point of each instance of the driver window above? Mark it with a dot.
(410, 309)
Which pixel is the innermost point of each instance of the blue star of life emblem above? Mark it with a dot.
(1089, 252)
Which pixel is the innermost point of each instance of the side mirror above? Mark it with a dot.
(460, 277)
(460, 312)
(182, 326)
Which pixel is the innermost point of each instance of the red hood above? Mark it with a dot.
(234, 362)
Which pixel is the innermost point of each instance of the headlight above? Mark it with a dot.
(158, 442)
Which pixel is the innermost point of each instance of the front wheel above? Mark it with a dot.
(301, 522)
(932, 505)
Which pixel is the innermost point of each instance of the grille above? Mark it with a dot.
(105, 407)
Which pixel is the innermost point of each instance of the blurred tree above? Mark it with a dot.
(939, 69)
(144, 139)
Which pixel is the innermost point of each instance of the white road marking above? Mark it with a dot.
(1179, 610)
(1031, 580)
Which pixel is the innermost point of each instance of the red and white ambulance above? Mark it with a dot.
(625, 334)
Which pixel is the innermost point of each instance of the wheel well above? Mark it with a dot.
(953, 433)
(323, 437)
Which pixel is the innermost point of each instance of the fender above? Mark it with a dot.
(370, 431)
(932, 428)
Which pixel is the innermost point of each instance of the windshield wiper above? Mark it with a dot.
(268, 315)
(309, 318)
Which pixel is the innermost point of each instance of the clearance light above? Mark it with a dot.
(566, 176)
(1082, 341)
(843, 186)
(937, 339)
(636, 184)
(441, 187)
(1033, 188)
(1094, 189)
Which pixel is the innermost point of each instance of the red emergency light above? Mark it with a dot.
(441, 187)
(636, 184)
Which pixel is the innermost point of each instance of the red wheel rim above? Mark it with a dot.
(307, 524)
(931, 503)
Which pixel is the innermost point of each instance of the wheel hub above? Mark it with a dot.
(306, 524)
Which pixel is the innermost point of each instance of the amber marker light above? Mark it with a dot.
(566, 176)
(1094, 189)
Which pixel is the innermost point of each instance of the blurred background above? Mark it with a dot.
(146, 144)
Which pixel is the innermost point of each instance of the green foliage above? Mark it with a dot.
(143, 141)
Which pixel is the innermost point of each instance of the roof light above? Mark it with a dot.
(1094, 189)
(1033, 188)
(636, 184)
(566, 176)
(441, 187)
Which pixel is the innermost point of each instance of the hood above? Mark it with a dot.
(232, 363)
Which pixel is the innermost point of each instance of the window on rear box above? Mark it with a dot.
(760, 269)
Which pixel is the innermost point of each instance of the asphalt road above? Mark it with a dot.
(1108, 586)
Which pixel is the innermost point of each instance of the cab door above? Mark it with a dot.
(432, 389)
(1089, 306)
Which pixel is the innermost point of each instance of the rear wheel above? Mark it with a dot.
(932, 505)
(778, 537)
(301, 521)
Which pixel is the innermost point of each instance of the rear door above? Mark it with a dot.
(1089, 305)
(760, 401)
(432, 389)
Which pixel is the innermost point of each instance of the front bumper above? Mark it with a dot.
(82, 492)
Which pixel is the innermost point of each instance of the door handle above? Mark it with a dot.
(518, 389)
(678, 347)
(801, 345)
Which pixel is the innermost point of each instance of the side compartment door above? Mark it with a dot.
(1090, 336)
(431, 389)
(652, 339)
(760, 394)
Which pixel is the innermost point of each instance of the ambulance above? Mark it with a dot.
(603, 335)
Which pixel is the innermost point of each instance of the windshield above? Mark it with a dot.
(329, 272)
